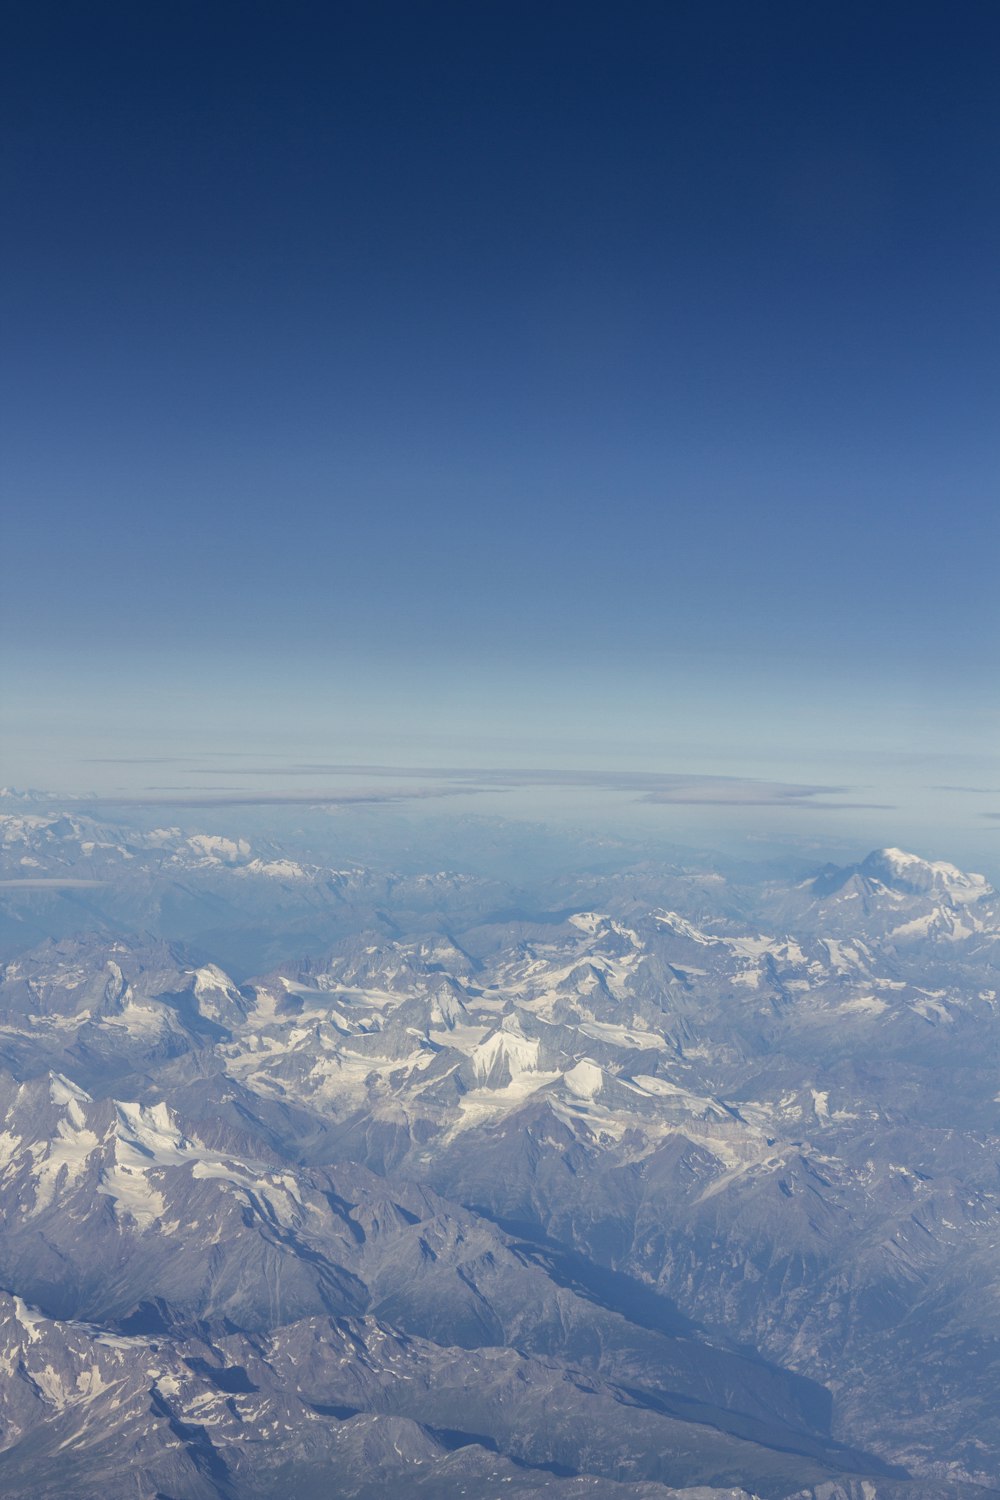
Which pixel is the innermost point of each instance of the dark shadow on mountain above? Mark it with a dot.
(233, 1379)
(609, 1289)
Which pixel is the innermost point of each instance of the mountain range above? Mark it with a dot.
(652, 1180)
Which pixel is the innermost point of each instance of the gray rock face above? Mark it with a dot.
(623, 1198)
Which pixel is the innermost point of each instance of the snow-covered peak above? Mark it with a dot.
(505, 1055)
(904, 871)
(585, 1079)
(213, 849)
(63, 1091)
(675, 923)
(589, 921)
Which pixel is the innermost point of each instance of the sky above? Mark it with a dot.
(505, 384)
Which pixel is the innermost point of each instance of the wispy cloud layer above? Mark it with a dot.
(644, 786)
(268, 799)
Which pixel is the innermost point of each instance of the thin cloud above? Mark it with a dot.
(56, 883)
(638, 781)
(647, 786)
(270, 799)
(134, 760)
(779, 798)
(978, 791)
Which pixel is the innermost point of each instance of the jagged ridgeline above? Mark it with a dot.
(326, 1178)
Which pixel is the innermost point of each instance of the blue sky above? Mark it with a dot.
(584, 384)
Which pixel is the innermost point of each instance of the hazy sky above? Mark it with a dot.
(577, 383)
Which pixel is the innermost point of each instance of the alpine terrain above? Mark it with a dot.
(320, 1176)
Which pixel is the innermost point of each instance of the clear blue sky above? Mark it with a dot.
(583, 380)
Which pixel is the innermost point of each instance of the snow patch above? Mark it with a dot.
(585, 1079)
